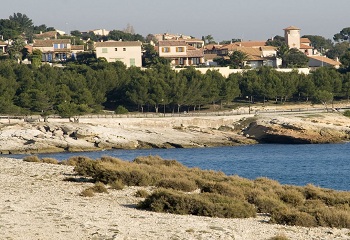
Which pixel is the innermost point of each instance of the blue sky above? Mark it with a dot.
(225, 19)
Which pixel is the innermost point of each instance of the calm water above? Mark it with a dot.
(325, 165)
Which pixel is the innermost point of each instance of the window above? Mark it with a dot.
(104, 50)
(124, 49)
(180, 49)
(181, 61)
(195, 61)
(132, 62)
(116, 49)
(166, 49)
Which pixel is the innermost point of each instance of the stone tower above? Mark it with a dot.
(292, 36)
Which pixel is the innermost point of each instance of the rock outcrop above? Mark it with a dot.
(98, 134)
(325, 128)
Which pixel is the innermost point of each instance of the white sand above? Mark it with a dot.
(37, 204)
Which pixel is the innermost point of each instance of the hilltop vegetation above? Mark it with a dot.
(85, 88)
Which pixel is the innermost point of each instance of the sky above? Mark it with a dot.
(223, 20)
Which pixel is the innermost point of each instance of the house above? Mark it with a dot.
(46, 35)
(3, 47)
(100, 32)
(258, 54)
(128, 52)
(56, 50)
(322, 61)
(182, 52)
(293, 40)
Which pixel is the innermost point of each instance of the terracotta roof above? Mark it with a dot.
(303, 46)
(50, 43)
(212, 46)
(305, 40)
(325, 60)
(268, 48)
(195, 53)
(118, 44)
(292, 28)
(248, 44)
(210, 56)
(77, 47)
(168, 43)
(51, 34)
(194, 40)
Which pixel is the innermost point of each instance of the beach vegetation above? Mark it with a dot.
(183, 190)
(31, 158)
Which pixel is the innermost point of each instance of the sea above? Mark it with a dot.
(323, 165)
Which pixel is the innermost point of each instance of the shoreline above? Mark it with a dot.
(38, 204)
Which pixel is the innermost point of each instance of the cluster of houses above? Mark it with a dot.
(180, 50)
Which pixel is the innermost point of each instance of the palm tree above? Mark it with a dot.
(237, 59)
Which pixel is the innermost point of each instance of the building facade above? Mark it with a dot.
(181, 53)
(56, 50)
(128, 52)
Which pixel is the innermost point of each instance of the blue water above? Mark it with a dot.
(326, 165)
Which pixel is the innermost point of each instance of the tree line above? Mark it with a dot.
(82, 88)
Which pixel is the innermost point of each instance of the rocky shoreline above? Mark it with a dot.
(38, 204)
(93, 134)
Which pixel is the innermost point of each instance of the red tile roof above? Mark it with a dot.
(325, 60)
(118, 44)
(169, 43)
(50, 43)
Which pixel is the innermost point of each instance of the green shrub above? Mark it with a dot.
(121, 110)
(31, 158)
(346, 113)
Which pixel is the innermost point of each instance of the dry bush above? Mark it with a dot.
(49, 160)
(99, 188)
(291, 196)
(141, 193)
(330, 217)
(117, 185)
(225, 189)
(211, 205)
(268, 204)
(31, 158)
(294, 218)
(156, 160)
(87, 193)
(185, 185)
(279, 237)
(221, 195)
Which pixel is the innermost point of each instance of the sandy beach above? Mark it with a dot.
(37, 204)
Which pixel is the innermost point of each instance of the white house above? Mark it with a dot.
(128, 52)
